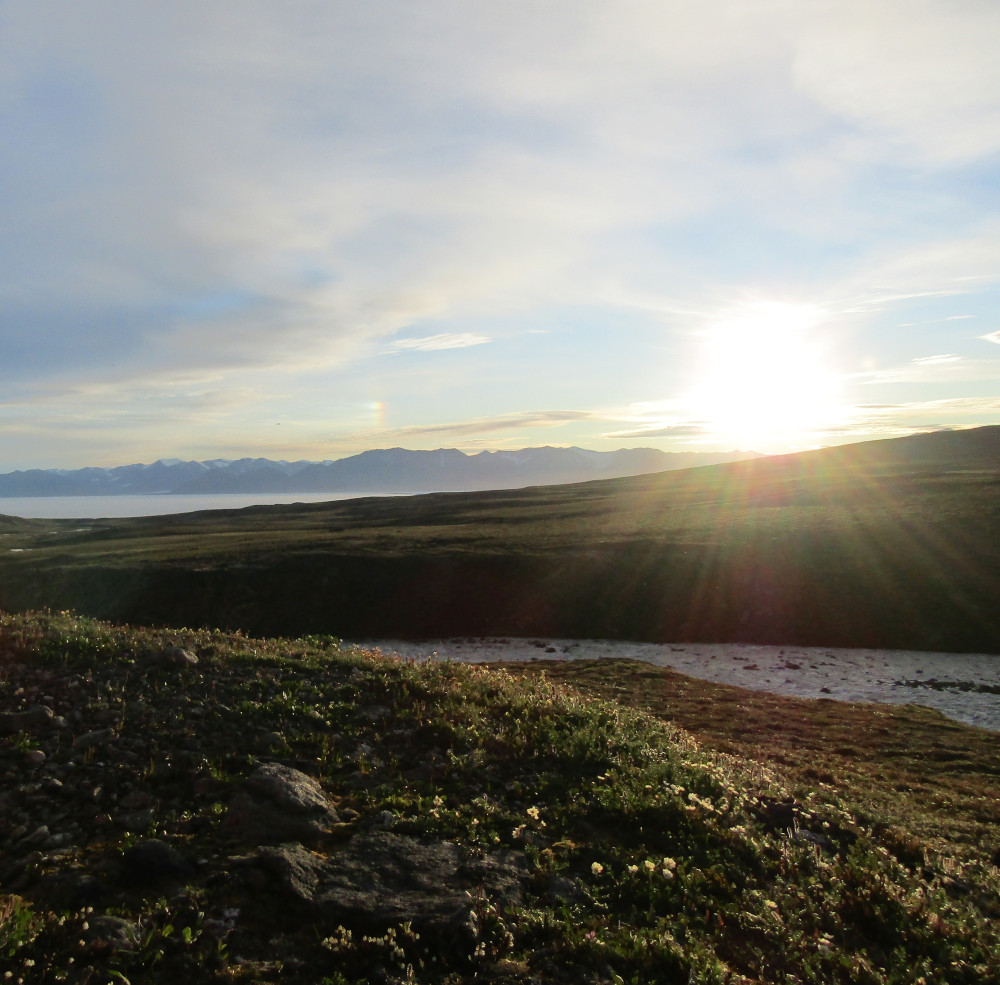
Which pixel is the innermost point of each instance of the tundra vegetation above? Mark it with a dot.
(892, 544)
(251, 800)
(604, 822)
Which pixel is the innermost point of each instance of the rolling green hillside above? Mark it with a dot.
(887, 544)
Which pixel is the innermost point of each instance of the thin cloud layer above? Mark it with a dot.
(433, 343)
(233, 212)
(495, 425)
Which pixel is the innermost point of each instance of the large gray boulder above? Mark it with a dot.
(278, 803)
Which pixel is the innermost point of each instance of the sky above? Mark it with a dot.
(300, 230)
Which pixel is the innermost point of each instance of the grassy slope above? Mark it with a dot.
(653, 857)
(908, 765)
(892, 544)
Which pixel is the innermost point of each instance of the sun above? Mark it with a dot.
(766, 380)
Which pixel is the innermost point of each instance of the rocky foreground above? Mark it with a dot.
(199, 807)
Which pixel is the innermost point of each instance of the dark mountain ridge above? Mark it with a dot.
(383, 470)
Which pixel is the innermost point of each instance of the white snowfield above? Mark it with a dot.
(963, 686)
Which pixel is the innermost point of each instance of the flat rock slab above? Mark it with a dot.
(36, 719)
(381, 879)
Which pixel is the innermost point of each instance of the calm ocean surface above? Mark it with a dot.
(93, 507)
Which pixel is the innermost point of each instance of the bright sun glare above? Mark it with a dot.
(766, 381)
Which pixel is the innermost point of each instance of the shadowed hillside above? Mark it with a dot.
(884, 544)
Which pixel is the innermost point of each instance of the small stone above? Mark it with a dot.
(121, 934)
(811, 837)
(778, 814)
(175, 656)
(208, 786)
(34, 757)
(560, 889)
(97, 737)
(40, 837)
(35, 719)
(82, 889)
(270, 740)
(136, 799)
(137, 820)
(374, 713)
(151, 861)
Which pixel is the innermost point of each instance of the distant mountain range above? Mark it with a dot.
(393, 470)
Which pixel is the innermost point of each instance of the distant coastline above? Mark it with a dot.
(156, 504)
(389, 470)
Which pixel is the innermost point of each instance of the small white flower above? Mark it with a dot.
(597, 868)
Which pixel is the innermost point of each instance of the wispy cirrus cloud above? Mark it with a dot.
(948, 357)
(693, 430)
(434, 343)
(948, 412)
(507, 422)
(930, 369)
(492, 431)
